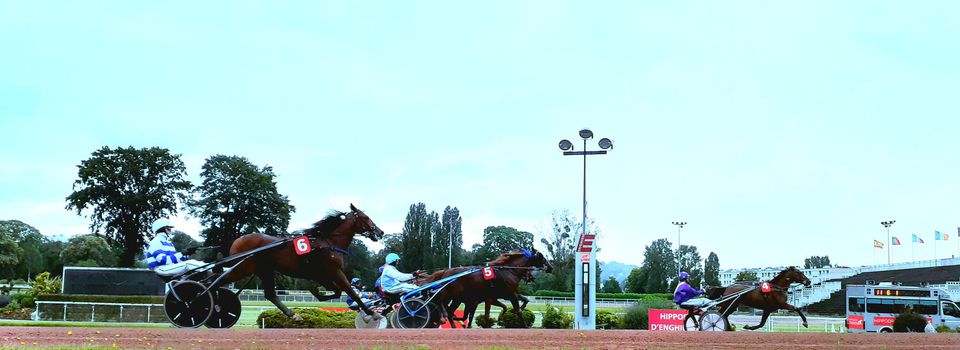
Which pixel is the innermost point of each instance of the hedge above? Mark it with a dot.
(119, 299)
(634, 296)
(312, 318)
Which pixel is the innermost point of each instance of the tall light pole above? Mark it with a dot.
(585, 285)
(887, 224)
(450, 250)
(680, 225)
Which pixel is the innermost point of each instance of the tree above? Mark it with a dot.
(660, 266)
(816, 262)
(450, 227)
(360, 263)
(125, 190)
(690, 261)
(9, 253)
(501, 239)
(711, 270)
(746, 276)
(30, 241)
(237, 198)
(51, 256)
(87, 250)
(560, 245)
(415, 245)
(611, 286)
(636, 281)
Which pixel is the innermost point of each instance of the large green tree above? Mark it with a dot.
(816, 262)
(51, 256)
(501, 239)
(124, 190)
(711, 270)
(9, 253)
(360, 263)
(87, 250)
(446, 250)
(611, 285)
(690, 261)
(236, 198)
(660, 265)
(636, 281)
(746, 276)
(30, 241)
(415, 242)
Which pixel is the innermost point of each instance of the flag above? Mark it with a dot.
(917, 239)
(894, 241)
(877, 244)
(940, 236)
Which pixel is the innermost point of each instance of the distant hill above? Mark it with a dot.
(618, 270)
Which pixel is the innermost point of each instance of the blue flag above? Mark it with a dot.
(917, 239)
(940, 236)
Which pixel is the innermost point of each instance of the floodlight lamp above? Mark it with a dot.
(566, 145)
(586, 134)
(605, 143)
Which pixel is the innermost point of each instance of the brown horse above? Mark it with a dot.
(329, 240)
(771, 301)
(509, 270)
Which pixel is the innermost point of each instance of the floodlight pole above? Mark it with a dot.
(585, 285)
(887, 224)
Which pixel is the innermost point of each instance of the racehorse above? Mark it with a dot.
(775, 299)
(509, 270)
(329, 240)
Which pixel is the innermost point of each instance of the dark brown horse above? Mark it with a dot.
(509, 270)
(329, 240)
(775, 299)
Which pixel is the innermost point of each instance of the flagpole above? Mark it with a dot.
(913, 244)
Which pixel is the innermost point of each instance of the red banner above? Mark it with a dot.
(883, 321)
(667, 320)
(855, 322)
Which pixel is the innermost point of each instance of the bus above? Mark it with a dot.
(872, 308)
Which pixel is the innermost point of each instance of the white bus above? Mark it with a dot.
(872, 308)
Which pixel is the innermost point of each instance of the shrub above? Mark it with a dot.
(636, 317)
(121, 299)
(13, 305)
(44, 285)
(555, 318)
(484, 321)
(25, 300)
(509, 319)
(909, 321)
(312, 318)
(607, 320)
(643, 297)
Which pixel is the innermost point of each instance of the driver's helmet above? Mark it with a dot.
(160, 224)
(355, 281)
(392, 258)
(683, 276)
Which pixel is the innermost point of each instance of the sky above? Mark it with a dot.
(777, 130)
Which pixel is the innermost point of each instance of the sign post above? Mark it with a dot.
(585, 283)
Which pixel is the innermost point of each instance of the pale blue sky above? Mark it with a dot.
(761, 123)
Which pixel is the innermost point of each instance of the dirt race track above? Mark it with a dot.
(163, 338)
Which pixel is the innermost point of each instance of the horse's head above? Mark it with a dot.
(793, 275)
(358, 222)
(539, 261)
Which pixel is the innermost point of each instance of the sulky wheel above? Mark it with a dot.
(690, 323)
(226, 309)
(414, 313)
(188, 304)
(362, 322)
(713, 322)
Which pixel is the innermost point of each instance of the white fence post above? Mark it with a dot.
(93, 311)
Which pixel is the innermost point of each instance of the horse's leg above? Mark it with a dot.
(763, 321)
(789, 307)
(516, 306)
(270, 292)
(524, 300)
(469, 312)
